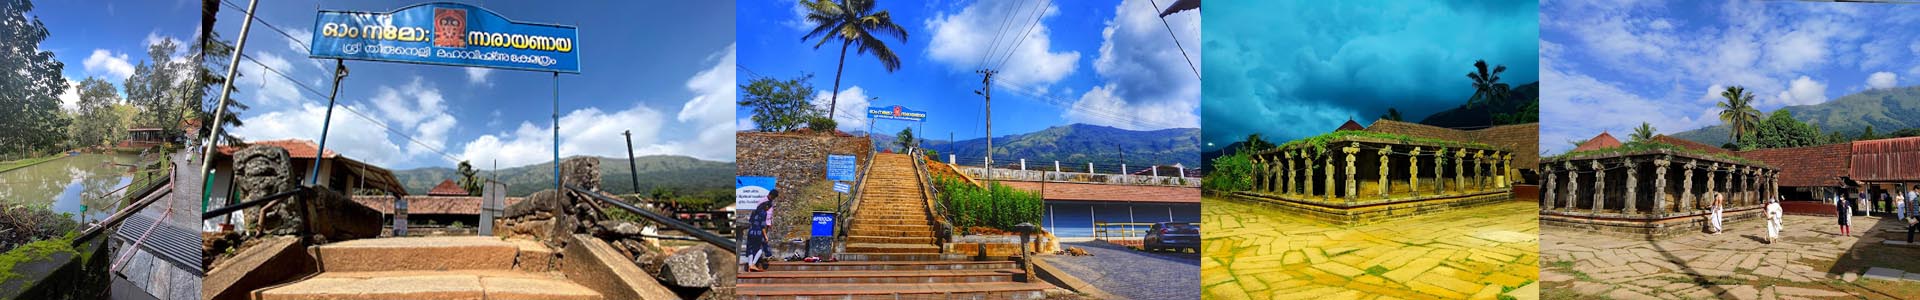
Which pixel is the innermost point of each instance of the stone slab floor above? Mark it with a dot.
(1810, 262)
(1486, 252)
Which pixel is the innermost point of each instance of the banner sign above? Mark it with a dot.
(896, 112)
(822, 223)
(842, 167)
(442, 33)
(749, 191)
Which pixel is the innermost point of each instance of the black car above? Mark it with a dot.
(1173, 235)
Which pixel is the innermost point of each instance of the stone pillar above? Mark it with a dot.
(1713, 174)
(1479, 169)
(1547, 201)
(1385, 151)
(1573, 186)
(1353, 187)
(1660, 185)
(1599, 186)
(1327, 194)
(1439, 167)
(1287, 187)
(1686, 186)
(1259, 174)
(1753, 186)
(1633, 196)
(1460, 170)
(1413, 171)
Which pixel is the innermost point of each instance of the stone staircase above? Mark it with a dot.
(891, 253)
(468, 267)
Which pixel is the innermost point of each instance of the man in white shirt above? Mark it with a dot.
(1773, 220)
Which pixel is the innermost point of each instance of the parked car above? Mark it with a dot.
(1173, 235)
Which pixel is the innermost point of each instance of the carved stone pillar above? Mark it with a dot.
(1286, 186)
(1599, 186)
(1327, 193)
(1633, 195)
(1713, 174)
(1439, 167)
(1413, 171)
(1460, 170)
(1353, 187)
(1686, 186)
(1660, 185)
(1385, 188)
(1480, 169)
(1547, 201)
(1573, 186)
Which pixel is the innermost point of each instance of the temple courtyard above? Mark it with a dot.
(1251, 251)
(1810, 262)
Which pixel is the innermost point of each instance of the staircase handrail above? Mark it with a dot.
(936, 211)
(224, 210)
(847, 208)
(675, 224)
(147, 197)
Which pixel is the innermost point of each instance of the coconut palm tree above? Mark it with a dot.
(852, 22)
(1738, 112)
(1487, 88)
(1642, 133)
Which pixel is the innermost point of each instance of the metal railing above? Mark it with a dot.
(224, 210)
(848, 208)
(703, 235)
(936, 210)
(147, 197)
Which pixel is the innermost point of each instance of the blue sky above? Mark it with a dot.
(1294, 69)
(1098, 62)
(106, 39)
(1614, 64)
(663, 70)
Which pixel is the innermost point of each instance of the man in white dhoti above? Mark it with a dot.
(1714, 218)
(1773, 220)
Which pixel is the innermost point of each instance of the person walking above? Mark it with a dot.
(1713, 217)
(757, 223)
(1912, 196)
(1773, 220)
(1913, 225)
(1843, 210)
(1900, 206)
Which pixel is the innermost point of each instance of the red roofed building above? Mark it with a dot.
(1692, 145)
(1350, 125)
(448, 188)
(338, 173)
(1602, 141)
(1807, 173)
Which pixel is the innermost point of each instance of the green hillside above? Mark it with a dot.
(685, 175)
(1886, 110)
(1079, 144)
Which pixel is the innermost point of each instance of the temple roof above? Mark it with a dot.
(1350, 125)
(1602, 141)
(1807, 166)
(447, 188)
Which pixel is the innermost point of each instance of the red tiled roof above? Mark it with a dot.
(1602, 141)
(1807, 166)
(447, 188)
(1350, 125)
(297, 148)
(1895, 159)
(1110, 192)
(441, 205)
(1695, 146)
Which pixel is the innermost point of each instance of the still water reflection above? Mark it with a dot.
(67, 185)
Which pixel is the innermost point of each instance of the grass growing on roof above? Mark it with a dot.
(1651, 146)
(1319, 142)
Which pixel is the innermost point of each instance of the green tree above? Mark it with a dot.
(469, 178)
(1738, 112)
(852, 22)
(1781, 130)
(1254, 143)
(210, 54)
(95, 120)
(1487, 88)
(1642, 133)
(904, 139)
(779, 105)
(154, 87)
(1392, 114)
(1867, 134)
(30, 114)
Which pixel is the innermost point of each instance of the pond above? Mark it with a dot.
(86, 185)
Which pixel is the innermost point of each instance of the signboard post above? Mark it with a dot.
(842, 167)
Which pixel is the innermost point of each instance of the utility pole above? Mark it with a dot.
(986, 89)
(631, 167)
(339, 73)
(226, 90)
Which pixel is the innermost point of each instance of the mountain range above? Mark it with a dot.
(683, 174)
(1075, 144)
(1885, 110)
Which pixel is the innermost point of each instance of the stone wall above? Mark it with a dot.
(799, 161)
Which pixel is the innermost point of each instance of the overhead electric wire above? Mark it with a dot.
(1176, 40)
(997, 34)
(1024, 36)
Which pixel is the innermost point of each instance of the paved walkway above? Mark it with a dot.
(1251, 252)
(1133, 274)
(1810, 261)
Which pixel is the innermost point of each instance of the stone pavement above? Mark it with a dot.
(1737, 264)
(1255, 253)
(1132, 274)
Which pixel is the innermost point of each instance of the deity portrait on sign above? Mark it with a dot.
(449, 24)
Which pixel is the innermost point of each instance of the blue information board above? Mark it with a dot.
(842, 167)
(444, 33)
(823, 223)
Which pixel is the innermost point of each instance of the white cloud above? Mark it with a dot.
(350, 135)
(852, 107)
(1149, 84)
(154, 37)
(268, 88)
(113, 67)
(1802, 91)
(1605, 106)
(301, 38)
(478, 76)
(586, 131)
(1713, 94)
(70, 99)
(962, 42)
(711, 109)
(799, 20)
(1881, 80)
(418, 108)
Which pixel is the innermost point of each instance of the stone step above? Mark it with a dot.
(892, 233)
(430, 285)
(418, 254)
(892, 248)
(867, 224)
(924, 257)
(855, 277)
(918, 217)
(889, 239)
(890, 265)
(996, 290)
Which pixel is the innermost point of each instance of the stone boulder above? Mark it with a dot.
(583, 172)
(260, 171)
(698, 266)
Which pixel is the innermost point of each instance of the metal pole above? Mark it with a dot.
(631, 167)
(339, 72)
(226, 90)
(556, 131)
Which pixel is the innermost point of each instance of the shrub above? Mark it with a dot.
(822, 124)
(999, 207)
(1230, 173)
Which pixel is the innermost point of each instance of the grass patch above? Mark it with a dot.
(1377, 270)
(1647, 146)
(22, 163)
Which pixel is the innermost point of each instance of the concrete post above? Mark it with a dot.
(950, 159)
(1023, 164)
(1056, 166)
